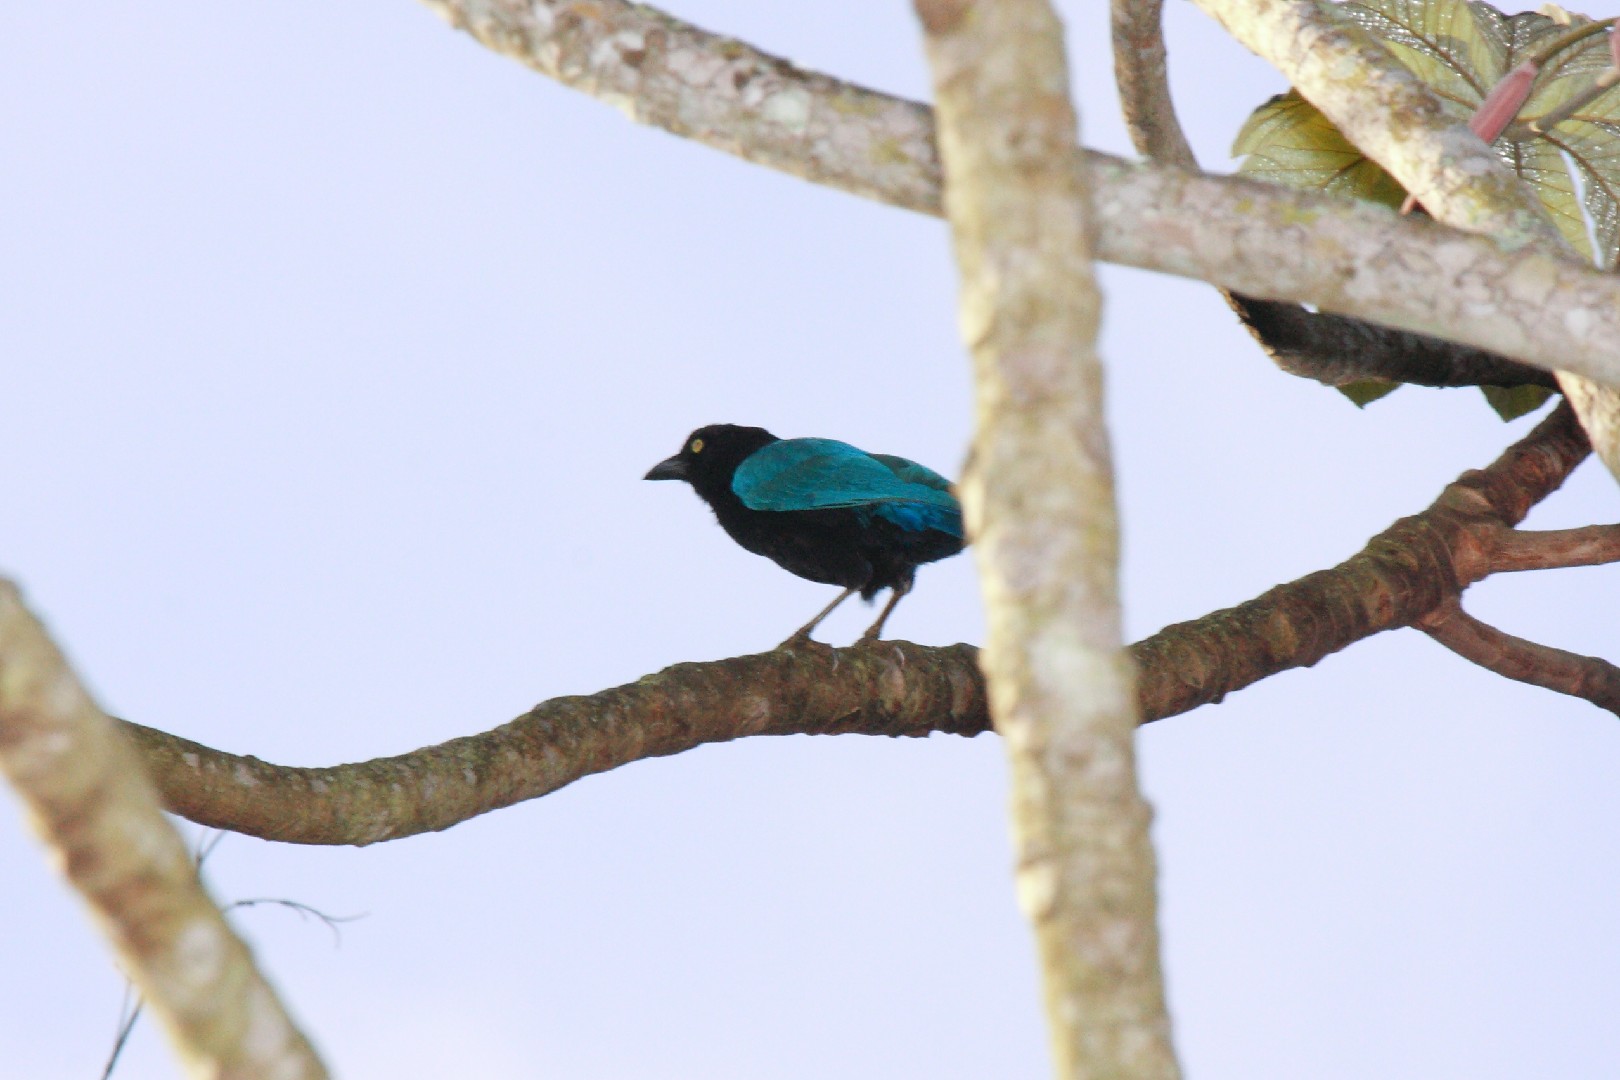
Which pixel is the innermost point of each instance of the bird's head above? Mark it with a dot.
(711, 455)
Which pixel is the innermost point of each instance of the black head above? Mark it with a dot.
(711, 455)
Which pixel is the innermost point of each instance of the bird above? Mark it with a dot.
(822, 509)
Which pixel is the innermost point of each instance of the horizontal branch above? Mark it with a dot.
(1337, 351)
(885, 688)
(1264, 241)
(1589, 677)
(1592, 545)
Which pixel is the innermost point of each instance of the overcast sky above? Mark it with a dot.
(335, 347)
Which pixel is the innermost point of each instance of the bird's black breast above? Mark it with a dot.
(847, 547)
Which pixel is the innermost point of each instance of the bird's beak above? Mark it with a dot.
(668, 469)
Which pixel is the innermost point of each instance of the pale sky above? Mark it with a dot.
(335, 349)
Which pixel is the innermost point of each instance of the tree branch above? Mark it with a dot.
(1142, 74)
(1593, 545)
(1393, 118)
(1258, 239)
(1589, 677)
(1038, 497)
(1337, 351)
(95, 808)
(888, 688)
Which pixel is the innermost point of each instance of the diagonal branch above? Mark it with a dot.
(1589, 677)
(97, 811)
(1258, 239)
(895, 689)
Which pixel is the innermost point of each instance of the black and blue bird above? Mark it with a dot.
(822, 509)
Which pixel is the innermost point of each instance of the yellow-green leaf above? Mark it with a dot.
(1512, 402)
(1287, 141)
(1364, 392)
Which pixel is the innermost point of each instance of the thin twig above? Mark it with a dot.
(1588, 677)
(1593, 545)
(332, 922)
(206, 846)
(1600, 85)
(128, 1014)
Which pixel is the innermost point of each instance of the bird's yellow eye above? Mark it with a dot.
(697, 446)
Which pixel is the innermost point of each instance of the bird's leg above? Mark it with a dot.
(801, 636)
(876, 628)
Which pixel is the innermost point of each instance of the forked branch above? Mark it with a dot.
(888, 688)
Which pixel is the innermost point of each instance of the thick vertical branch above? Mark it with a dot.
(94, 807)
(1038, 492)
(1395, 120)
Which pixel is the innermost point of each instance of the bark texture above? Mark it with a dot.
(94, 807)
(1038, 496)
(1257, 239)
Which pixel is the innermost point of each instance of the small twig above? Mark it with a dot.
(128, 1014)
(1593, 545)
(206, 846)
(1589, 677)
(304, 910)
(1336, 350)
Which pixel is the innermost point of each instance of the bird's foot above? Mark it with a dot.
(802, 640)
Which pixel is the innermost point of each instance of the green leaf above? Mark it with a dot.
(1364, 392)
(1287, 141)
(1512, 402)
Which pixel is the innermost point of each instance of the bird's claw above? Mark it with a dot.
(801, 640)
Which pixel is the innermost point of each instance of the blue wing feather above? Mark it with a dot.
(818, 474)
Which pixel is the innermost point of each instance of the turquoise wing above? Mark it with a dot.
(820, 474)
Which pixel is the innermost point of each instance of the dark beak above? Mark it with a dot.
(668, 469)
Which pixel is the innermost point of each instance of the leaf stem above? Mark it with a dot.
(1574, 36)
(1600, 85)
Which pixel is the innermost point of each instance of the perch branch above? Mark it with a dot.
(888, 688)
